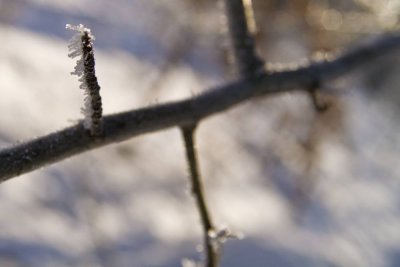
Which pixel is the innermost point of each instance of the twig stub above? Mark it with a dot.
(82, 45)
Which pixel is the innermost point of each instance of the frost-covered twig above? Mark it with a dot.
(82, 46)
(36, 153)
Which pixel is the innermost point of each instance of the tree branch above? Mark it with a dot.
(73, 140)
(240, 17)
(198, 193)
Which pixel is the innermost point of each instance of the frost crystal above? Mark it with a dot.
(75, 46)
(219, 237)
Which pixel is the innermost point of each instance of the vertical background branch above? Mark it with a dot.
(198, 193)
(241, 28)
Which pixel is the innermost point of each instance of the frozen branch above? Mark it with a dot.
(82, 46)
(73, 140)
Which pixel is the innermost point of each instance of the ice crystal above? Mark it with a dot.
(220, 236)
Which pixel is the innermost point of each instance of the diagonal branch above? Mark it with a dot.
(73, 140)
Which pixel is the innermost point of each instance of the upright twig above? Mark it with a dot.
(198, 193)
(241, 29)
(82, 46)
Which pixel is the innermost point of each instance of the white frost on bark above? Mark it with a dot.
(75, 48)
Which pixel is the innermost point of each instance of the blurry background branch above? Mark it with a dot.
(54, 147)
(241, 29)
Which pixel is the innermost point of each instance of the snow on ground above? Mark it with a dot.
(304, 189)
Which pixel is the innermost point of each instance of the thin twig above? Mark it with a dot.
(82, 46)
(73, 140)
(240, 16)
(198, 193)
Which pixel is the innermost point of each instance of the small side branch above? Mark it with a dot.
(241, 28)
(36, 153)
(198, 193)
(319, 105)
(82, 46)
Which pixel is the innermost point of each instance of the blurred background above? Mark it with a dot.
(304, 188)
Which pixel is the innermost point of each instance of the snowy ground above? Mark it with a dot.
(304, 189)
